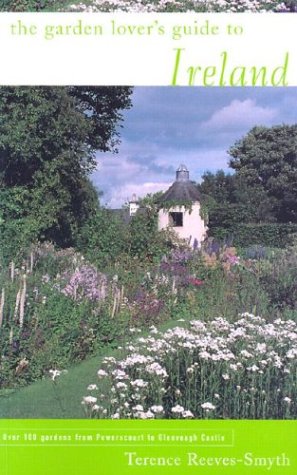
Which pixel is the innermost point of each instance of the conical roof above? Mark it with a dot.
(182, 190)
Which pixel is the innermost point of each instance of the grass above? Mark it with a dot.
(43, 399)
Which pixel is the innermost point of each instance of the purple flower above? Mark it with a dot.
(86, 283)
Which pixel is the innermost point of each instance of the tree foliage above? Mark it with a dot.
(30, 5)
(103, 238)
(48, 140)
(265, 160)
(263, 187)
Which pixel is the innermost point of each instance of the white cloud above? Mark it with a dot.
(239, 115)
(119, 179)
(169, 126)
(123, 193)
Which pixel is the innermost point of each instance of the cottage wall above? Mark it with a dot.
(193, 229)
(133, 207)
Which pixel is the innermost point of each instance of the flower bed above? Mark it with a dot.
(143, 6)
(216, 369)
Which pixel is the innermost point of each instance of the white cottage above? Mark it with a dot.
(180, 209)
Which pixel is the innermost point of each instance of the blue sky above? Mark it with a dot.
(171, 125)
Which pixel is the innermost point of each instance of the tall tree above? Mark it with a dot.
(48, 140)
(265, 160)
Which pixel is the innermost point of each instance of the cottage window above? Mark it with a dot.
(176, 219)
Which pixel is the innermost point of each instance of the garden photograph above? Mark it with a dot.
(150, 6)
(148, 253)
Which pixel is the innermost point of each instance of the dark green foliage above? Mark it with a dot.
(145, 241)
(19, 5)
(258, 203)
(30, 5)
(109, 237)
(102, 108)
(48, 140)
(266, 161)
(103, 238)
(266, 234)
(279, 280)
(219, 186)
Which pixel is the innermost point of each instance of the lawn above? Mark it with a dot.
(44, 399)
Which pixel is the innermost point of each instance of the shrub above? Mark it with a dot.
(103, 238)
(267, 234)
(279, 279)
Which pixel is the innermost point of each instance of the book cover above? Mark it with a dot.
(148, 225)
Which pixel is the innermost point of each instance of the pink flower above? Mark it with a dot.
(194, 281)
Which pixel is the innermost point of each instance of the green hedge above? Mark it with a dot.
(267, 234)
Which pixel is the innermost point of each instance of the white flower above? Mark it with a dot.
(109, 359)
(217, 343)
(177, 409)
(157, 369)
(101, 373)
(261, 348)
(234, 367)
(208, 406)
(89, 400)
(246, 354)
(287, 400)
(119, 374)
(277, 362)
(187, 414)
(139, 383)
(157, 409)
(121, 385)
(92, 387)
(55, 373)
(149, 415)
(292, 353)
(139, 407)
(144, 415)
(253, 368)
